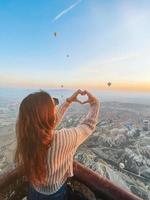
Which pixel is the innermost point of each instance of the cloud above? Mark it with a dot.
(66, 11)
(107, 63)
(126, 69)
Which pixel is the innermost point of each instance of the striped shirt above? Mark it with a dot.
(63, 147)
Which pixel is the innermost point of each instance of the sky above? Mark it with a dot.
(97, 41)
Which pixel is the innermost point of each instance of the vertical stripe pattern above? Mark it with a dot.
(63, 148)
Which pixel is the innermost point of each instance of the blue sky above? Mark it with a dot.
(106, 40)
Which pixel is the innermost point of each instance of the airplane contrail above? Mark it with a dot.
(66, 11)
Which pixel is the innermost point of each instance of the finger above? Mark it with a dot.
(83, 92)
(75, 94)
(78, 92)
(85, 102)
(89, 95)
(78, 101)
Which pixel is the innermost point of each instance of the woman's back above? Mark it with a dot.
(47, 153)
(64, 146)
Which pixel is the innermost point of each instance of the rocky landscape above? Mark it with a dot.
(119, 149)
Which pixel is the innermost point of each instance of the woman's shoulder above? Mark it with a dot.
(65, 132)
(67, 137)
(62, 131)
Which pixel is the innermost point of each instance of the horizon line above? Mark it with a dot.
(110, 89)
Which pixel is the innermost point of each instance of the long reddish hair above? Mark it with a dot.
(34, 135)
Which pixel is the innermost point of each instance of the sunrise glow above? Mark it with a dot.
(95, 42)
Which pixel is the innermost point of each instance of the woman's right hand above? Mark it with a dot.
(91, 99)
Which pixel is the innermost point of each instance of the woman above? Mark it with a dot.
(45, 153)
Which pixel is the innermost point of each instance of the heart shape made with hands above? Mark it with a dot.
(82, 98)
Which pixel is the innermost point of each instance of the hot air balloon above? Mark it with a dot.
(109, 84)
(121, 165)
(67, 56)
(62, 86)
(55, 34)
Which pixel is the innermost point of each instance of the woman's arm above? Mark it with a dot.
(91, 118)
(88, 124)
(60, 112)
(77, 135)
